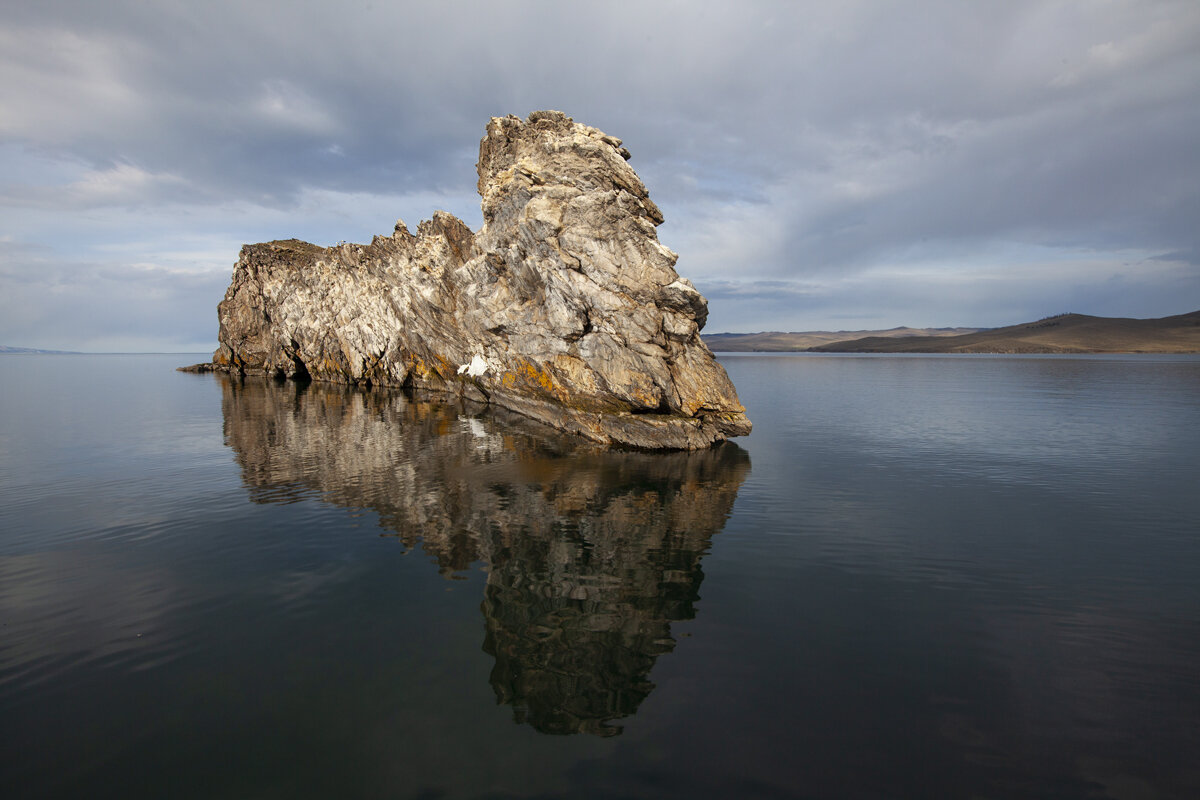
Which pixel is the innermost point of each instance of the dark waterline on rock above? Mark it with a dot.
(919, 576)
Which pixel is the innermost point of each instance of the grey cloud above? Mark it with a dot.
(800, 141)
(987, 297)
(99, 307)
(1191, 257)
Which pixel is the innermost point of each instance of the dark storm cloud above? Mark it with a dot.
(829, 145)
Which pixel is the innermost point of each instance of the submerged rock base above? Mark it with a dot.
(564, 307)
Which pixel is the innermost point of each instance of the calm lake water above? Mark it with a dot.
(952, 577)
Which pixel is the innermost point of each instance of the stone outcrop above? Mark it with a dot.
(591, 553)
(564, 307)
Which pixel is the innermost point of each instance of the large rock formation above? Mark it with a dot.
(564, 307)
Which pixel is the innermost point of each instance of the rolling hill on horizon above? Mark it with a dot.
(6, 349)
(778, 341)
(1064, 333)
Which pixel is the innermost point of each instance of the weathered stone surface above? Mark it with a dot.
(564, 307)
(199, 368)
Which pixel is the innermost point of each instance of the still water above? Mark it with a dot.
(948, 577)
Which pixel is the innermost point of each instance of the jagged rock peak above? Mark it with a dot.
(563, 307)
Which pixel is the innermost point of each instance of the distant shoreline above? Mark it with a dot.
(26, 351)
(1061, 334)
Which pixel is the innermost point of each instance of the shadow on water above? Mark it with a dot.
(591, 553)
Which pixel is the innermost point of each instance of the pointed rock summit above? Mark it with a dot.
(564, 307)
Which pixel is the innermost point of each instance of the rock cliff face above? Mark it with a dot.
(564, 307)
(591, 553)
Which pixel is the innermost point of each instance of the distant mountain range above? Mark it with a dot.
(776, 342)
(1065, 333)
(6, 349)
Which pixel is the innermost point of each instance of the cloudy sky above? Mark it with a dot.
(820, 165)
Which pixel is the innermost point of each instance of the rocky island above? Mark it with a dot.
(563, 307)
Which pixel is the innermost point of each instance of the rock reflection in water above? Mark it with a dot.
(592, 553)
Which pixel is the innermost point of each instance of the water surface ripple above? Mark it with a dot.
(918, 577)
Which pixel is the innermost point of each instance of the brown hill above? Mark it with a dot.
(1066, 333)
(776, 341)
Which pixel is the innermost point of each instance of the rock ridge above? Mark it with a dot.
(563, 307)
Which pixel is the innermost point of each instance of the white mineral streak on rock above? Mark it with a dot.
(586, 324)
(476, 368)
